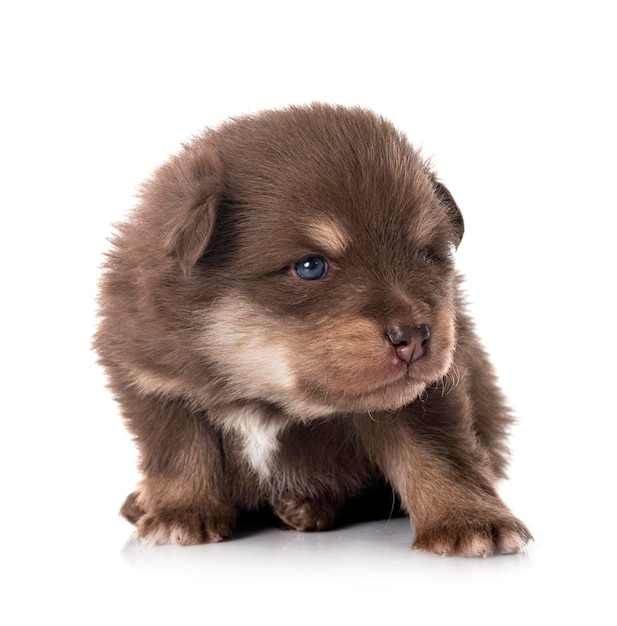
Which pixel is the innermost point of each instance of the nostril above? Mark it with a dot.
(409, 341)
(423, 331)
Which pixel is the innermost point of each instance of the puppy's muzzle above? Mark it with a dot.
(409, 342)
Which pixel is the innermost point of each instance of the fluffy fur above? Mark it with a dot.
(248, 379)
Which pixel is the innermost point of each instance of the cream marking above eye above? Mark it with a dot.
(328, 237)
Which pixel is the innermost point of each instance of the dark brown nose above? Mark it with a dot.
(409, 342)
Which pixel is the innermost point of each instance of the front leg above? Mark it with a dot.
(323, 468)
(444, 478)
(182, 497)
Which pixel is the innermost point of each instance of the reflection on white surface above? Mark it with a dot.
(366, 572)
(381, 547)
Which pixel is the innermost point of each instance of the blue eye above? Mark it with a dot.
(311, 268)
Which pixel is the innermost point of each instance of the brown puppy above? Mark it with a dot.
(282, 324)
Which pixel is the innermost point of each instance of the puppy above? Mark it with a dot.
(282, 324)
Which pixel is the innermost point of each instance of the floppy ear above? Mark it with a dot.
(193, 188)
(454, 213)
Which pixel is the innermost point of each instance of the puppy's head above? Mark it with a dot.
(312, 250)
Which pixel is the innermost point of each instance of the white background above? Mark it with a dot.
(515, 102)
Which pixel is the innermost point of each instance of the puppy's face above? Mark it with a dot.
(327, 276)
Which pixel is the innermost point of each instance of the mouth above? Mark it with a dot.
(386, 397)
(390, 386)
(411, 375)
(387, 393)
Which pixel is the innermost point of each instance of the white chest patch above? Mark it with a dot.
(259, 439)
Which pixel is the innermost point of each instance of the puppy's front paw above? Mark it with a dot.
(473, 536)
(305, 514)
(184, 527)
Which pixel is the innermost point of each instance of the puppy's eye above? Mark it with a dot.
(311, 268)
(433, 256)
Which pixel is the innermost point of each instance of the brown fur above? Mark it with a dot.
(246, 385)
